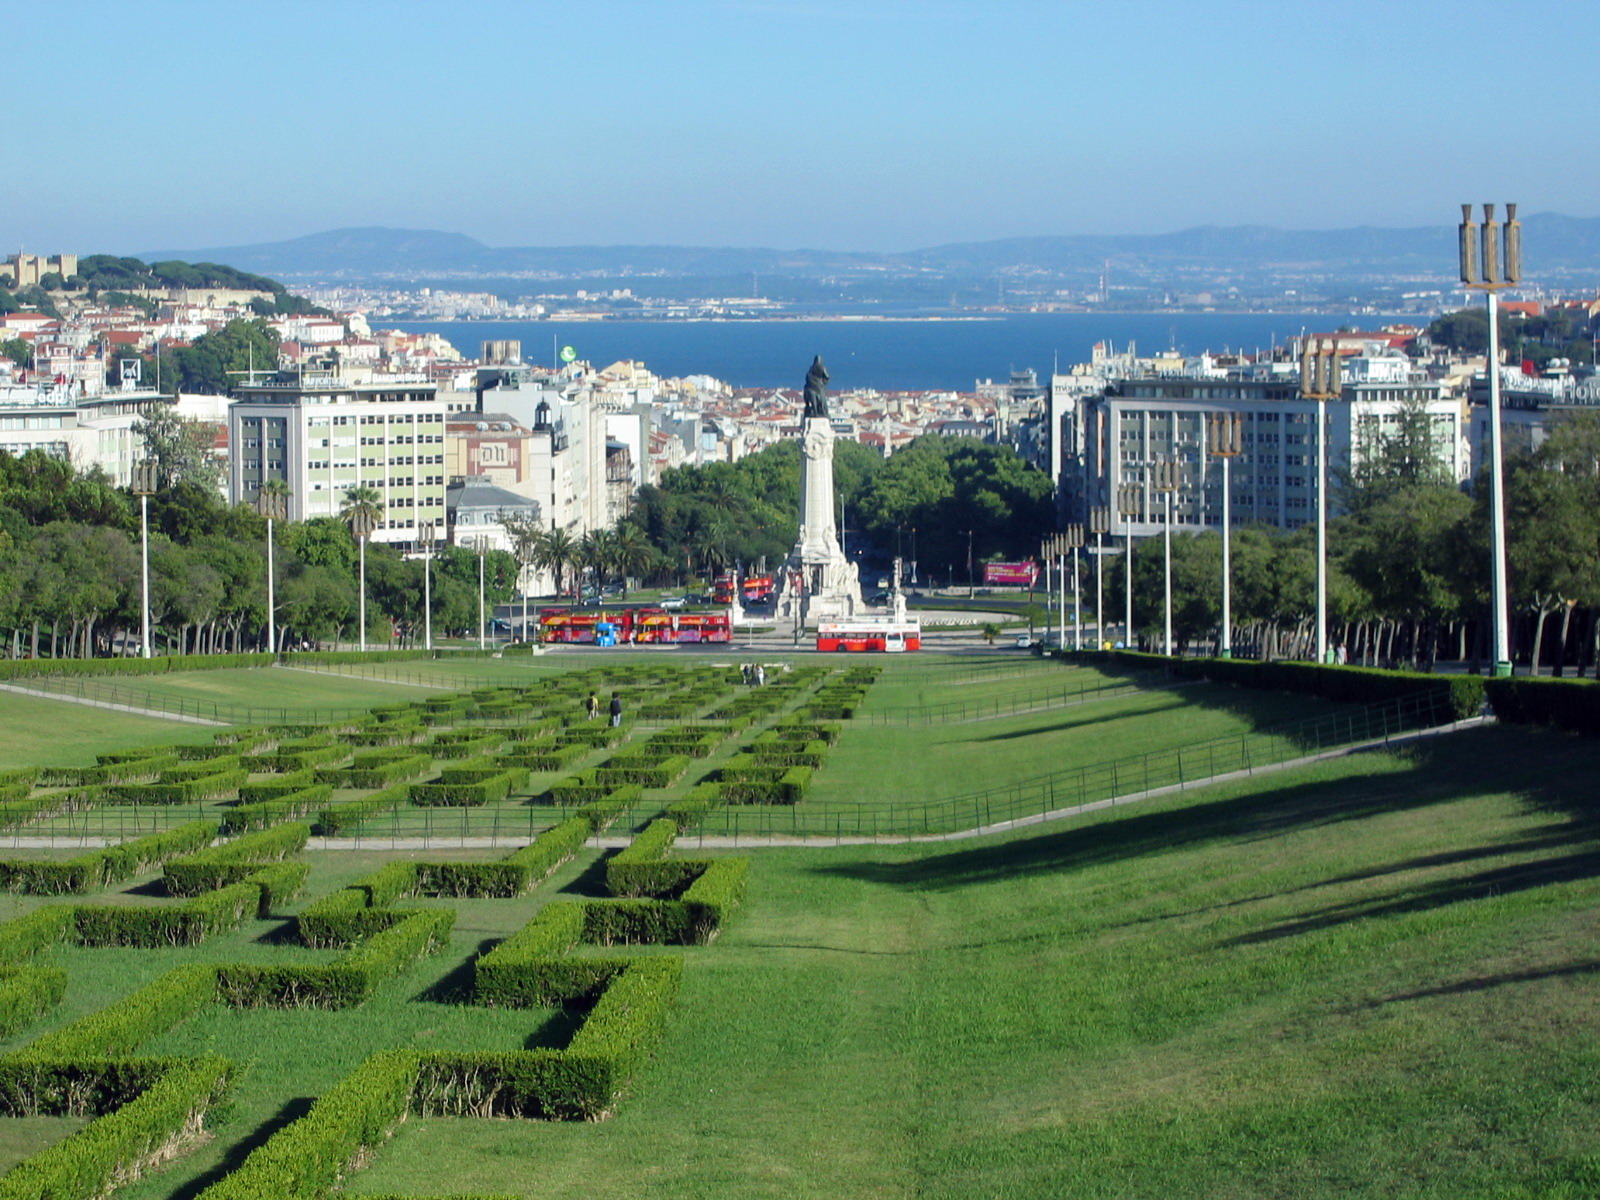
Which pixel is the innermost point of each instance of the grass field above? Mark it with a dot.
(57, 733)
(1371, 976)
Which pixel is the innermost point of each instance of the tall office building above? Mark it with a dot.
(324, 433)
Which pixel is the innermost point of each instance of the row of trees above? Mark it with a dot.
(943, 494)
(1408, 565)
(70, 586)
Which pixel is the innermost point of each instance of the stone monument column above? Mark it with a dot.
(828, 584)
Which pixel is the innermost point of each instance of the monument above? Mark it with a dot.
(819, 583)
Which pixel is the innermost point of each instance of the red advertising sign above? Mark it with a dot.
(1023, 573)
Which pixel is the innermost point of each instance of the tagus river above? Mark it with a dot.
(904, 355)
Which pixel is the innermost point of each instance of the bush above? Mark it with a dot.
(712, 897)
(552, 758)
(1569, 704)
(170, 1107)
(642, 772)
(306, 1158)
(464, 795)
(279, 883)
(602, 812)
(26, 994)
(351, 978)
(285, 784)
(640, 869)
(186, 924)
(199, 769)
(221, 786)
(375, 775)
(553, 847)
(121, 1027)
(95, 869)
(527, 970)
(36, 667)
(242, 817)
(335, 819)
(284, 759)
(355, 913)
(23, 937)
(230, 862)
(143, 767)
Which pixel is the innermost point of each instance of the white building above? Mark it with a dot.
(87, 431)
(324, 433)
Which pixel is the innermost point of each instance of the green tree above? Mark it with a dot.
(215, 361)
(180, 447)
(17, 350)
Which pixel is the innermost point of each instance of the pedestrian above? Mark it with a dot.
(592, 705)
(744, 669)
(761, 675)
(1344, 654)
(616, 709)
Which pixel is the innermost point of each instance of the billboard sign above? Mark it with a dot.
(1023, 573)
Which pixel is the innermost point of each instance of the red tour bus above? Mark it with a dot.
(886, 637)
(633, 625)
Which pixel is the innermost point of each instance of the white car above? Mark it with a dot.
(673, 602)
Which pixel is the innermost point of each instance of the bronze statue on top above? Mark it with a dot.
(817, 389)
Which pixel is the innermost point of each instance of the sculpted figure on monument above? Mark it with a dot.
(817, 389)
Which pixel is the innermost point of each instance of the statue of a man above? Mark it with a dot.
(817, 389)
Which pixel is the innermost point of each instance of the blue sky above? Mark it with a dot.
(848, 124)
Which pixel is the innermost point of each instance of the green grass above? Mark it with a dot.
(58, 733)
(274, 693)
(1376, 977)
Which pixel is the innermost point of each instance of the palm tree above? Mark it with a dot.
(597, 549)
(363, 512)
(631, 551)
(526, 534)
(557, 551)
(711, 544)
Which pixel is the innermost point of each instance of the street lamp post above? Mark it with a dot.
(1166, 482)
(427, 534)
(1073, 540)
(483, 551)
(273, 505)
(1128, 502)
(1226, 440)
(362, 524)
(1320, 381)
(144, 483)
(1099, 522)
(1490, 272)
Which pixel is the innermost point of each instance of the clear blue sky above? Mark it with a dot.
(848, 124)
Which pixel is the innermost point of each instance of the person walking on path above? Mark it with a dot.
(616, 709)
(761, 675)
(592, 706)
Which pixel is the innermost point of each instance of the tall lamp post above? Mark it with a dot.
(1073, 539)
(1099, 522)
(144, 483)
(427, 534)
(362, 524)
(1320, 381)
(483, 551)
(1166, 483)
(1128, 508)
(1225, 440)
(1490, 272)
(273, 504)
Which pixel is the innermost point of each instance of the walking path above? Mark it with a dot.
(127, 708)
(716, 842)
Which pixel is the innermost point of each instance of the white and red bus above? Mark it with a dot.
(884, 637)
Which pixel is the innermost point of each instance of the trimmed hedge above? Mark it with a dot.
(553, 758)
(146, 766)
(641, 869)
(169, 1109)
(265, 813)
(1462, 695)
(602, 812)
(223, 785)
(642, 772)
(122, 1026)
(279, 785)
(186, 924)
(97, 868)
(377, 774)
(27, 993)
(305, 1159)
(284, 759)
(25, 936)
(513, 875)
(230, 862)
(351, 978)
(1569, 704)
(199, 769)
(464, 795)
(336, 818)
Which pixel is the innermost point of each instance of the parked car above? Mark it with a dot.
(881, 598)
(673, 602)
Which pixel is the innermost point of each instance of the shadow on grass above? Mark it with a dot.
(1064, 726)
(240, 1150)
(456, 985)
(285, 931)
(1484, 984)
(591, 881)
(1550, 773)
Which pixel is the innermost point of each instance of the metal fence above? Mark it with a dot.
(1065, 792)
(103, 691)
(1034, 699)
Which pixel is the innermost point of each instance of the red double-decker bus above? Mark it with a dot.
(640, 626)
(885, 637)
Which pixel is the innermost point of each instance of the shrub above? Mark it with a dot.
(188, 770)
(335, 819)
(230, 862)
(122, 1026)
(527, 970)
(185, 924)
(95, 869)
(712, 897)
(348, 980)
(375, 774)
(306, 1158)
(222, 785)
(280, 785)
(143, 766)
(1569, 704)
(463, 795)
(602, 812)
(23, 937)
(637, 870)
(171, 1101)
(279, 883)
(26, 994)
(645, 774)
(552, 758)
(265, 813)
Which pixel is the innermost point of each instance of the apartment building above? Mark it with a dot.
(323, 433)
(1112, 442)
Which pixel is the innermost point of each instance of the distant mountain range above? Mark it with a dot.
(1555, 245)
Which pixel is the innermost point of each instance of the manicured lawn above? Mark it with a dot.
(57, 733)
(274, 693)
(1376, 977)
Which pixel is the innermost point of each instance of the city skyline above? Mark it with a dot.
(789, 124)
